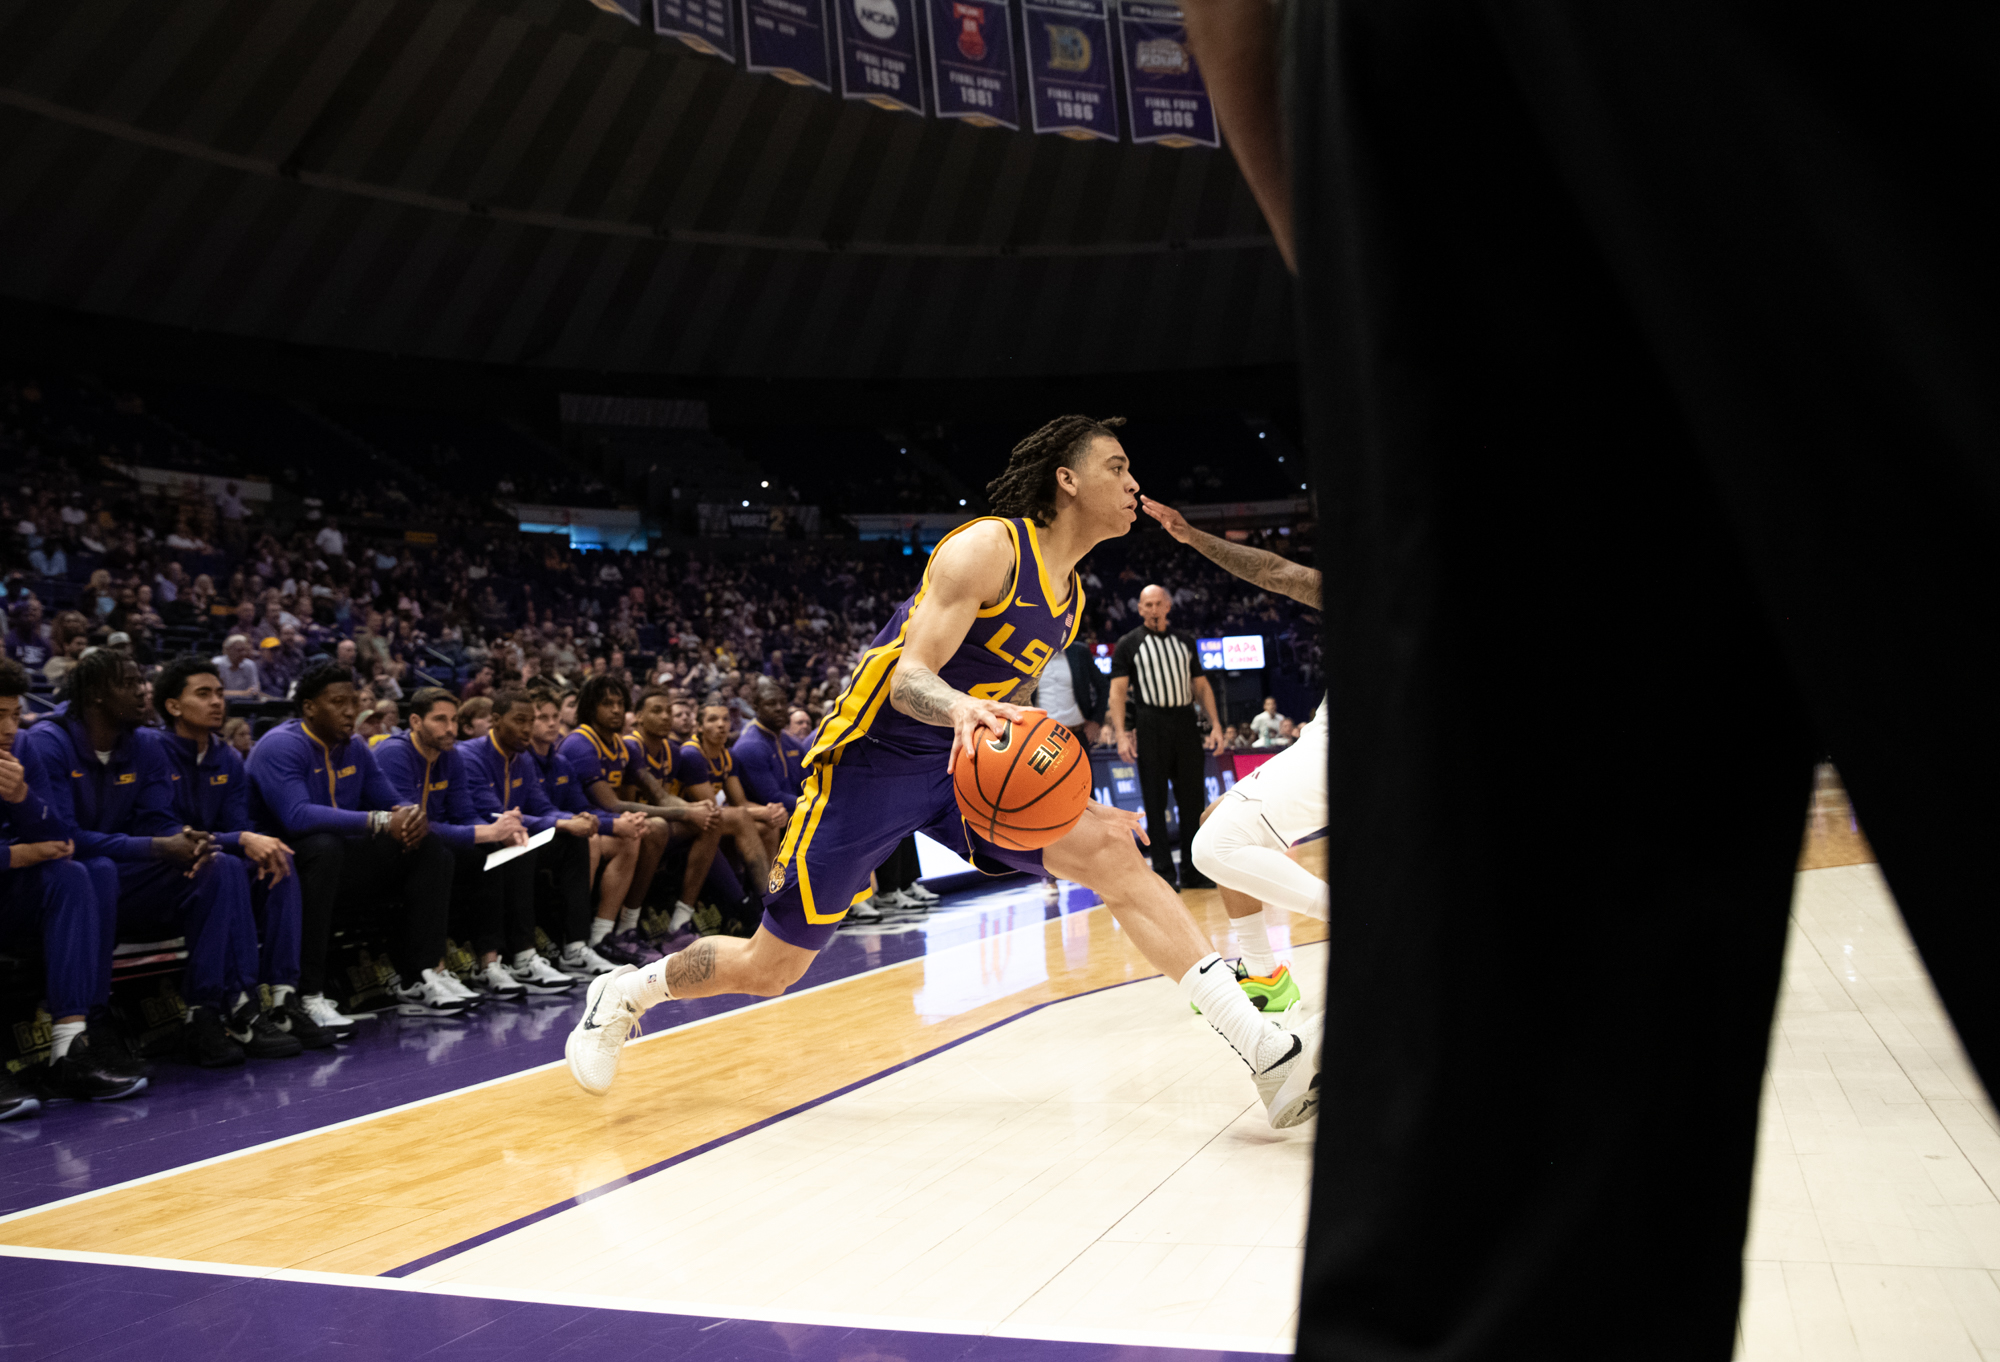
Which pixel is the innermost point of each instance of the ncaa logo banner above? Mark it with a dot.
(1165, 97)
(972, 62)
(1068, 49)
(705, 25)
(787, 39)
(878, 53)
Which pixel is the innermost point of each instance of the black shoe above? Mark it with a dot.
(1194, 879)
(86, 1074)
(291, 1017)
(617, 955)
(259, 1035)
(208, 1043)
(110, 1051)
(15, 1100)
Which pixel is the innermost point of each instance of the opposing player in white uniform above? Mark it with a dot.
(1243, 842)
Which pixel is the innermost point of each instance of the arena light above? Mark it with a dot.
(765, 483)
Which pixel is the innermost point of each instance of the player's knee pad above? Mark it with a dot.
(1233, 825)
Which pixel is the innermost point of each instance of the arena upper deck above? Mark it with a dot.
(530, 181)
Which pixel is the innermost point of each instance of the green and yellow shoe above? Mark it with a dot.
(1277, 993)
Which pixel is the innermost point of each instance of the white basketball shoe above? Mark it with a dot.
(600, 1033)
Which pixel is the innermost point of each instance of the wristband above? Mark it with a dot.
(377, 820)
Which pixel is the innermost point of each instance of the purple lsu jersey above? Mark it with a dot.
(594, 757)
(667, 765)
(1009, 643)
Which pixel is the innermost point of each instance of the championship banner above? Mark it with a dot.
(972, 62)
(705, 25)
(1068, 46)
(1165, 97)
(787, 39)
(878, 53)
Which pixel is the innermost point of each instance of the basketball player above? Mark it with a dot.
(999, 599)
(1243, 841)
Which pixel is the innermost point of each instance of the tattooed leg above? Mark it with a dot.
(763, 966)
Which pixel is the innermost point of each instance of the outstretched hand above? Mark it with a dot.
(1133, 823)
(1171, 520)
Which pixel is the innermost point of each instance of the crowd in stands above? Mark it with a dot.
(250, 728)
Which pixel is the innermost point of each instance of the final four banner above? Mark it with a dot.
(878, 53)
(972, 62)
(1167, 101)
(705, 25)
(787, 38)
(1068, 44)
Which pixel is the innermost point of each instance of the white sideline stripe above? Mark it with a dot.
(283, 1140)
(1146, 1338)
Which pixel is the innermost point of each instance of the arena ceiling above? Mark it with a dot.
(532, 181)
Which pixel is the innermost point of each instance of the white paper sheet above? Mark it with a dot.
(506, 854)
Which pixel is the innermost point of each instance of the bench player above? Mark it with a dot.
(1244, 838)
(999, 600)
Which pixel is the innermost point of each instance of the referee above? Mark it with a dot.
(1167, 745)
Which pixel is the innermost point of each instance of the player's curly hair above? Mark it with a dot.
(591, 698)
(98, 673)
(1028, 486)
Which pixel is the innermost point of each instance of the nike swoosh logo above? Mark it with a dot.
(1212, 964)
(1297, 1045)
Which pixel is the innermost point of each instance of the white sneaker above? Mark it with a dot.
(499, 982)
(600, 1033)
(1290, 1088)
(895, 901)
(865, 911)
(679, 919)
(580, 961)
(325, 1014)
(921, 897)
(428, 997)
(537, 975)
(454, 985)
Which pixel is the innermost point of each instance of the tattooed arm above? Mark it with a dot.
(1255, 566)
(969, 572)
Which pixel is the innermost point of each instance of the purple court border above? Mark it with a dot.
(90, 1312)
(580, 1198)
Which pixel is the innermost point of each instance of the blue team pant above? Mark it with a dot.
(60, 902)
(852, 813)
(157, 899)
(279, 911)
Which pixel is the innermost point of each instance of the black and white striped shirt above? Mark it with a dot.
(1162, 666)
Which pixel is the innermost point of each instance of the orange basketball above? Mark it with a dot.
(1026, 787)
